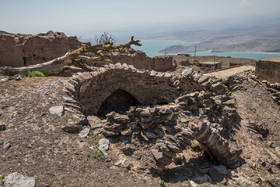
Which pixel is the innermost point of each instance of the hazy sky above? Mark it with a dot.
(79, 16)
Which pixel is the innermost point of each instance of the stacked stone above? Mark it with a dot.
(219, 147)
(159, 128)
(274, 89)
(91, 89)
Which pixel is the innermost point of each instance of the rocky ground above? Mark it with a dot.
(34, 144)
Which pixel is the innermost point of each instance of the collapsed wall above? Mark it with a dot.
(20, 50)
(140, 60)
(269, 69)
(168, 115)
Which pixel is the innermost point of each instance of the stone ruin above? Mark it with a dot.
(155, 120)
(18, 50)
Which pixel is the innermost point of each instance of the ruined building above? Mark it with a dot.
(21, 50)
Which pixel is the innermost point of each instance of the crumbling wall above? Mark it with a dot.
(163, 63)
(140, 60)
(147, 87)
(269, 69)
(20, 50)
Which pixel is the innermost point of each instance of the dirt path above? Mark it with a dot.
(230, 72)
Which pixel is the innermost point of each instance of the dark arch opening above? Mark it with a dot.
(119, 101)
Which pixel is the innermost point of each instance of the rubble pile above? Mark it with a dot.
(197, 118)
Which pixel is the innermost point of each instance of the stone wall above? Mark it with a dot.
(90, 90)
(20, 50)
(140, 60)
(269, 69)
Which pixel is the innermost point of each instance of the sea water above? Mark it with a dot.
(152, 48)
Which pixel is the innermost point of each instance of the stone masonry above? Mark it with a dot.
(20, 50)
(173, 113)
(269, 69)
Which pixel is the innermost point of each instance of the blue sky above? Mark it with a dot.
(78, 17)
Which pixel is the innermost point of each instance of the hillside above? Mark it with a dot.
(257, 38)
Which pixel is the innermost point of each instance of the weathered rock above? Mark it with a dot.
(84, 133)
(126, 132)
(110, 133)
(202, 179)
(103, 144)
(119, 162)
(18, 180)
(203, 79)
(4, 80)
(69, 100)
(128, 149)
(273, 182)
(216, 175)
(6, 145)
(57, 110)
(221, 169)
(173, 147)
(146, 125)
(160, 157)
(218, 87)
(187, 73)
(75, 129)
(150, 135)
(2, 127)
(113, 127)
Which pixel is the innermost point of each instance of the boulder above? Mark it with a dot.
(18, 180)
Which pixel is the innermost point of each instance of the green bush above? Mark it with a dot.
(32, 74)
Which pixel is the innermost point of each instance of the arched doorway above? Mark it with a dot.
(119, 101)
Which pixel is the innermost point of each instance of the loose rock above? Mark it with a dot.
(18, 180)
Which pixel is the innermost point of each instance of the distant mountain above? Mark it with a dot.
(257, 37)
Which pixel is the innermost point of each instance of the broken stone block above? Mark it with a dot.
(160, 157)
(203, 79)
(150, 135)
(57, 110)
(218, 87)
(128, 149)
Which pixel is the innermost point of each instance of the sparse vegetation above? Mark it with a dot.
(1, 142)
(33, 74)
(2, 177)
(161, 182)
(105, 38)
(98, 155)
